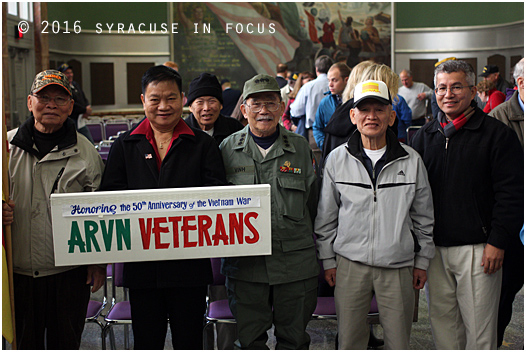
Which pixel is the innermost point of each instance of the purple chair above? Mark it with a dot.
(120, 312)
(104, 148)
(94, 311)
(112, 128)
(96, 129)
(216, 311)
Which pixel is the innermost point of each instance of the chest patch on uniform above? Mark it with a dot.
(241, 170)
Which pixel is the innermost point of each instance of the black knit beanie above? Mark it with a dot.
(205, 85)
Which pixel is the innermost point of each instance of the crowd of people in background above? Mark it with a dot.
(389, 213)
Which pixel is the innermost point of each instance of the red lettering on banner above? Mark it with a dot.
(145, 232)
(157, 231)
(251, 228)
(175, 225)
(220, 233)
(204, 223)
(186, 228)
(236, 228)
(200, 227)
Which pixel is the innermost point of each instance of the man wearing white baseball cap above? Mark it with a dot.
(374, 223)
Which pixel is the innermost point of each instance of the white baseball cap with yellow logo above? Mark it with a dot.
(371, 90)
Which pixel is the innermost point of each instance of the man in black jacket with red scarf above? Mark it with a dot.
(475, 168)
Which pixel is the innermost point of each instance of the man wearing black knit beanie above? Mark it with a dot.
(205, 99)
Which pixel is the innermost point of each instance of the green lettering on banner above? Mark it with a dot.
(75, 239)
(123, 233)
(107, 234)
(90, 229)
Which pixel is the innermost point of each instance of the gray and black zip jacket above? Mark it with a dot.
(383, 218)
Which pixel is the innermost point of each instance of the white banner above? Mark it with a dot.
(161, 224)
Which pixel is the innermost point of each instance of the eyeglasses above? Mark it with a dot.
(59, 100)
(455, 90)
(258, 106)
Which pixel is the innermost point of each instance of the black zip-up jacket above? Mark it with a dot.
(192, 161)
(477, 181)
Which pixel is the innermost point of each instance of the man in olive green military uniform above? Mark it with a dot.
(281, 288)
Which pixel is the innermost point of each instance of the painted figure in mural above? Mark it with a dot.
(327, 38)
(371, 44)
(201, 37)
(349, 41)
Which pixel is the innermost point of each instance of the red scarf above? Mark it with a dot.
(452, 127)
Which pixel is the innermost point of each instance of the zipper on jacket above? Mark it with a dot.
(55, 184)
(444, 173)
(374, 184)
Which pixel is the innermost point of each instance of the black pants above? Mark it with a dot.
(51, 308)
(150, 309)
(512, 282)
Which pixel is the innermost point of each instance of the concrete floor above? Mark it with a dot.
(323, 332)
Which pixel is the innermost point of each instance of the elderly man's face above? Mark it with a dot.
(372, 119)
(206, 111)
(163, 105)
(50, 116)
(264, 122)
(453, 105)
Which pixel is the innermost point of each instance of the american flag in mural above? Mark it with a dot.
(262, 48)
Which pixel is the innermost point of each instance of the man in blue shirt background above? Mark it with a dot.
(338, 75)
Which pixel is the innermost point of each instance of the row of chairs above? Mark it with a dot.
(109, 127)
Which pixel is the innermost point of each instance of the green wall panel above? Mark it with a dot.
(91, 13)
(453, 14)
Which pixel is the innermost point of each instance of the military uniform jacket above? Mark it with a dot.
(290, 170)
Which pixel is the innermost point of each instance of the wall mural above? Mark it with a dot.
(238, 40)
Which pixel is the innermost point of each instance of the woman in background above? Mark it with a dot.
(289, 123)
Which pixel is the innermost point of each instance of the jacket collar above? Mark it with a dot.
(473, 123)
(144, 129)
(394, 149)
(24, 136)
(243, 140)
(517, 114)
